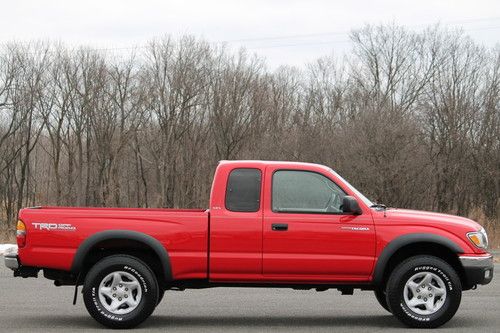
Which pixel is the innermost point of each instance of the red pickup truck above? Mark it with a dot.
(269, 224)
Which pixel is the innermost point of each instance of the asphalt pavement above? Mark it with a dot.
(28, 305)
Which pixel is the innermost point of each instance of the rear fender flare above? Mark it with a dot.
(88, 244)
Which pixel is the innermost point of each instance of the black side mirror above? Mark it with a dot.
(350, 205)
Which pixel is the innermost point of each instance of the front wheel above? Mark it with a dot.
(120, 291)
(424, 292)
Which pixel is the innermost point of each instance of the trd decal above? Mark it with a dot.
(53, 226)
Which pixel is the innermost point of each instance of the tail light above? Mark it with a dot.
(21, 234)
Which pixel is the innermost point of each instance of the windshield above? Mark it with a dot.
(352, 188)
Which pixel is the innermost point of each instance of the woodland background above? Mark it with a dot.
(412, 119)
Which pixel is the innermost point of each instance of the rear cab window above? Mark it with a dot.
(243, 190)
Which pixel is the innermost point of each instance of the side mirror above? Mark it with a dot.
(350, 205)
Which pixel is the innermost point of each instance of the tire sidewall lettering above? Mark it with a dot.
(133, 271)
(431, 269)
(406, 270)
(95, 298)
(100, 309)
(437, 271)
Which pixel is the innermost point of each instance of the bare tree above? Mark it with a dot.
(410, 118)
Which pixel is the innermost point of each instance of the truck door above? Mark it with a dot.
(236, 224)
(306, 235)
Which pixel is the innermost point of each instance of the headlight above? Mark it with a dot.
(479, 238)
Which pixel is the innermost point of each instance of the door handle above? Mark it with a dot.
(279, 226)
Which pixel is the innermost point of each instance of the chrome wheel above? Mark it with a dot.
(120, 292)
(424, 293)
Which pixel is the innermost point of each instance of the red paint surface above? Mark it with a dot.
(243, 247)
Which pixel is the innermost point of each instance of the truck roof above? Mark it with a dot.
(264, 163)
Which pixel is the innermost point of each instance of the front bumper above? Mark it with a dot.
(478, 270)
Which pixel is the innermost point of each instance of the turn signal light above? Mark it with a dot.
(479, 238)
(21, 234)
(475, 239)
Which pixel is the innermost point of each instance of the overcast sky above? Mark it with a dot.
(304, 30)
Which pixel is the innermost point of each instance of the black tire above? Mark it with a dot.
(161, 292)
(410, 268)
(380, 295)
(126, 265)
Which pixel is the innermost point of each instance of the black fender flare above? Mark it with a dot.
(399, 242)
(87, 245)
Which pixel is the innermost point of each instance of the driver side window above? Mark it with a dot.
(305, 192)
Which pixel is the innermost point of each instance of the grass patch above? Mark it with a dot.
(7, 236)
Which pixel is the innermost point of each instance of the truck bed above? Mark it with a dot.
(56, 233)
(127, 209)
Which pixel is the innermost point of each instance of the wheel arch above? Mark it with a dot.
(414, 244)
(148, 242)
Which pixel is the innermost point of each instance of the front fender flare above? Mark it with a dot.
(399, 242)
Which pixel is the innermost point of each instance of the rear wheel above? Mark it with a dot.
(120, 291)
(161, 292)
(381, 298)
(424, 292)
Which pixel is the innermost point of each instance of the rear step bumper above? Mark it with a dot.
(11, 260)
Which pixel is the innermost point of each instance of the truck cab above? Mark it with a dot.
(284, 222)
